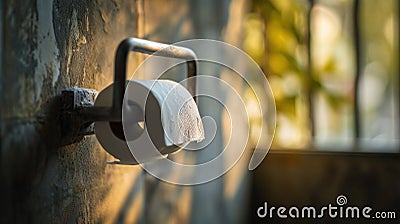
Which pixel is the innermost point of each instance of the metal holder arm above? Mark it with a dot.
(114, 113)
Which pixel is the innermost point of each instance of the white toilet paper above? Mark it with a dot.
(170, 116)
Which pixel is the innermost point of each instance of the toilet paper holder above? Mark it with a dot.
(78, 113)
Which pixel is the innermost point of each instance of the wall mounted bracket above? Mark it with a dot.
(78, 111)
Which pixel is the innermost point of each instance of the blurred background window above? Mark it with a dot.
(333, 67)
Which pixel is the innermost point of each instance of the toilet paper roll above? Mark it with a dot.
(156, 113)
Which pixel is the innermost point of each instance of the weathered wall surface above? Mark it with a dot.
(50, 45)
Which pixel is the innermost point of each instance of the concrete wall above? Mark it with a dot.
(51, 45)
(48, 46)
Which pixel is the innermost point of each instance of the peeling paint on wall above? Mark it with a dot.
(46, 53)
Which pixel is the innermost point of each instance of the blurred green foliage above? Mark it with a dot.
(277, 39)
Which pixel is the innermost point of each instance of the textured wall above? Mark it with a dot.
(48, 46)
(51, 45)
